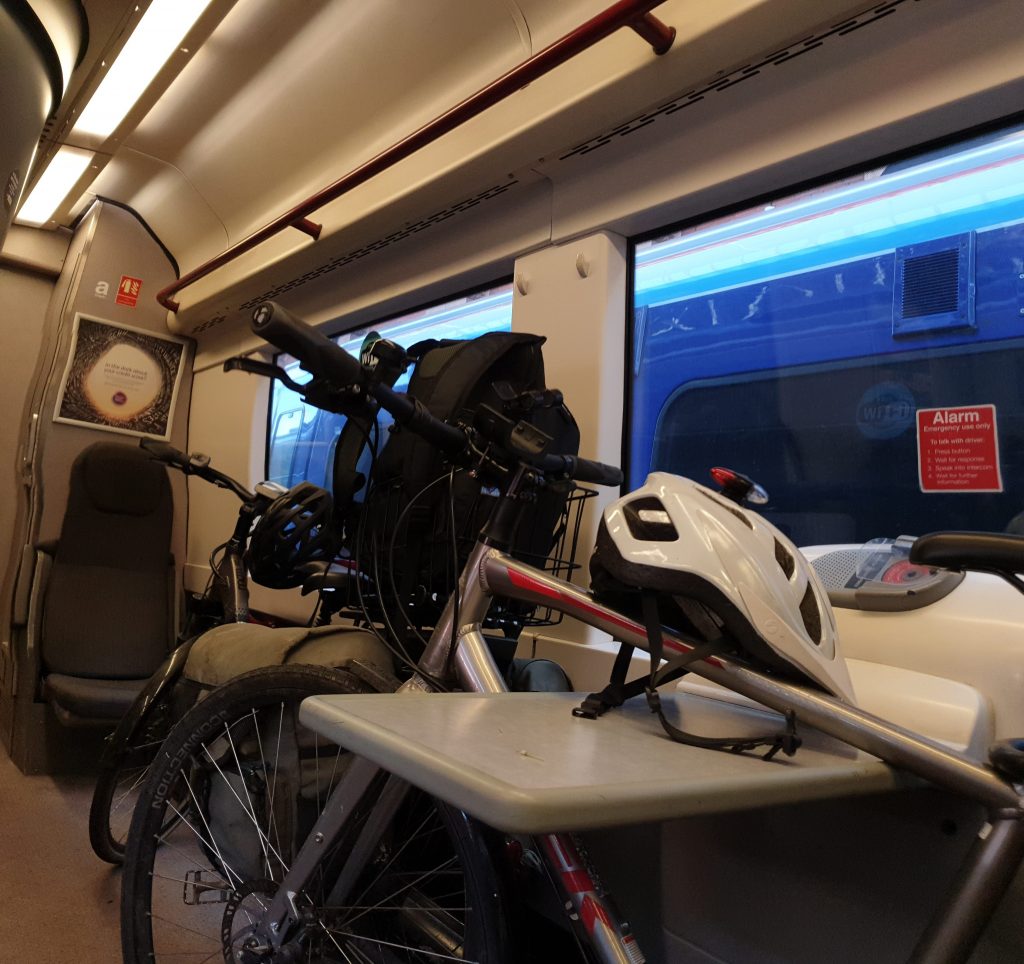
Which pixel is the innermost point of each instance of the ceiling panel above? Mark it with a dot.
(274, 105)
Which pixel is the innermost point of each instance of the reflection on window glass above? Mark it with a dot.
(301, 438)
(857, 349)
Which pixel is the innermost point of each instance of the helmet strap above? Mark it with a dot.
(787, 741)
(618, 690)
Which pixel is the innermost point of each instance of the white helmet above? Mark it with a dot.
(682, 540)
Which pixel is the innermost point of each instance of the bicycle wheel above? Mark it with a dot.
(120, 778)
(234, 792)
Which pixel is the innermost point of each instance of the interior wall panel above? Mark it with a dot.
(23, 300)
(119, 247)
(227, 421)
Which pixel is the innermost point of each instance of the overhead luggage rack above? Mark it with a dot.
(635, 14)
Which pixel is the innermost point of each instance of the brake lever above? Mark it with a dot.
(265, 369)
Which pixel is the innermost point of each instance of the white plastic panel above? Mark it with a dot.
(948, 711)
(973, 635)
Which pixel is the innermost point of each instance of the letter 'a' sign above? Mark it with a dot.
(958, 449)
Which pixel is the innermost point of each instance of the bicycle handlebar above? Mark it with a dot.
(163, 452)
(582, 470)
(324, 359)
(192, 465)
(318, 354)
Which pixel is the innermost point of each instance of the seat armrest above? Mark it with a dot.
(29, 620)
(30, 570)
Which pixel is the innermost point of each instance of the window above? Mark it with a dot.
(301, 438)
(845, 346)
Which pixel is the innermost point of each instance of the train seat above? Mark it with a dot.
(108, 613)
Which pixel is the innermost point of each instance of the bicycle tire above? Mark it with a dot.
(121, 775)
(255, 780)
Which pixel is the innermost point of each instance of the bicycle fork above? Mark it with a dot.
(608, 937)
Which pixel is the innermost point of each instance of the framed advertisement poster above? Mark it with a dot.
(120, 379)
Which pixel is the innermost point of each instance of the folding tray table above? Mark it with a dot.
(521, 762)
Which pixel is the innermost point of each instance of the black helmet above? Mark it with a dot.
(294, 531)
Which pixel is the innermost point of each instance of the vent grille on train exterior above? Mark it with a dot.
(934, 286)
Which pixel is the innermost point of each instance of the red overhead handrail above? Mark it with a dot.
(631, 13)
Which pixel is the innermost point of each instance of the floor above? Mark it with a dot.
(59, 904)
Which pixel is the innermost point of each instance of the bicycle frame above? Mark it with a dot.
(490, 572)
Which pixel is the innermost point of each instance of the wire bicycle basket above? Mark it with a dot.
(408, 559)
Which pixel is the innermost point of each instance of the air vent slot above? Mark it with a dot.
(934, 286)
(811, 614)
(763, 64)
(359, 253)
(929, 283)
(785, 559)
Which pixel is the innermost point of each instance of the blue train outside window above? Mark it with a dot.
(301, 439)
(858, 349)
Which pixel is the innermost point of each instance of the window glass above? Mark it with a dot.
(301, 438)
(857, 349)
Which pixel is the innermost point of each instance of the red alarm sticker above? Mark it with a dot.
(128, 291)
(958, 449)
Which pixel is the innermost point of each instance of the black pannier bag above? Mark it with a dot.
(414, 505)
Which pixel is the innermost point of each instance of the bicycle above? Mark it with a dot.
(352, 891)
(133, 742)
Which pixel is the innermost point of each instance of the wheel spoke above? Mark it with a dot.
(203, 870)
(251, 809)
(401, 947)
(263, 838)
(396, 893)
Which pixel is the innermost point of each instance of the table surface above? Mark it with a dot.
(522, 763)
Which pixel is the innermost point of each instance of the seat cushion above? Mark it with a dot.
(91, 699)
(105, 623)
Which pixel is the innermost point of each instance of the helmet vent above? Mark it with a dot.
(811, 615)
(649, 521)
(728, 508)
(785, 559)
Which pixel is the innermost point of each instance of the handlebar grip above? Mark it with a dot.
(583, 470)
(163, 452)
(318, 354)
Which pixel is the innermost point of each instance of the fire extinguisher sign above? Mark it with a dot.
(128, 291)
(958, 449)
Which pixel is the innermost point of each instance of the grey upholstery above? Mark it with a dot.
(107, 614)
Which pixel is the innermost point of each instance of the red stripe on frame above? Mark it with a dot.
(577, 881)
(591, 912)
(524, 581)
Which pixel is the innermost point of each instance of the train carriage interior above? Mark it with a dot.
(775, 247)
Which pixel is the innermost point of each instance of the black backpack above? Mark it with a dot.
(411, 510)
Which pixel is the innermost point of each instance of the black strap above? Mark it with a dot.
(787, 741)
(618, 691)
(597, 704)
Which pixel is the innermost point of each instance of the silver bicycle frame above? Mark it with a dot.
(958, 923)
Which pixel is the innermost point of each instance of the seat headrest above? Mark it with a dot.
(122, 479)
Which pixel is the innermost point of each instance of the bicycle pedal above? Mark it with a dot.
(205, 887)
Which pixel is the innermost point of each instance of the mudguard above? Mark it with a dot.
(165, 677)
